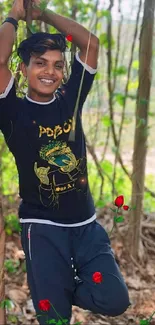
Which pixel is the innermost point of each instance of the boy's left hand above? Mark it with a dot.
(38, 6)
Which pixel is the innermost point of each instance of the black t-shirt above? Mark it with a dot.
(53, 180)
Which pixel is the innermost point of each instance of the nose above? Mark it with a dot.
(49, 70)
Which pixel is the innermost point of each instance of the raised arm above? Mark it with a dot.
(80, 35)
(7, 39)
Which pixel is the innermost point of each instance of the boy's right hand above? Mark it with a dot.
(18, 10)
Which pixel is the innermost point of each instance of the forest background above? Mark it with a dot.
(118, 120)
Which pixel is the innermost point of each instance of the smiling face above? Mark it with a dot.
(44, 74)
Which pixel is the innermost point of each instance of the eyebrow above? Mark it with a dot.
(58, 61)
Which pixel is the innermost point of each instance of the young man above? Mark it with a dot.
(64, 245)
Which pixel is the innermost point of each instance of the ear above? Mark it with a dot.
(23, 69)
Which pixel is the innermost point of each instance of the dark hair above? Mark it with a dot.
(39, 43)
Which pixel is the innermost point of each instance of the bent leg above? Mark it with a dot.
(110, 297)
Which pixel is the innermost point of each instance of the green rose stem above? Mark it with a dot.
(58, 314)
(114, 222)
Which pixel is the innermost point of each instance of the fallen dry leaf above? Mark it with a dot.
(17, 296)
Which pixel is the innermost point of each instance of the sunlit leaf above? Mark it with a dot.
(98, 76)
(135, 65)
(8, 231)
(107, 166)
(106, 121)
(133, 85)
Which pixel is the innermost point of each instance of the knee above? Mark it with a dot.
(115, 303)
(118, 305)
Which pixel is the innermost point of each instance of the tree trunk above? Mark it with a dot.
(2, 284)
(2, 250)
(141, 130)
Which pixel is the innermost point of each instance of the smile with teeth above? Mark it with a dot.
(47, 81)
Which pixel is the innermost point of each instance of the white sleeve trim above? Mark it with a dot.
(86, 66)
(8, 88)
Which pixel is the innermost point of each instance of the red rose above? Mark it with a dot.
(119, 201)
(44, 305)
(69, 38)
(97, 277)
(125, 207)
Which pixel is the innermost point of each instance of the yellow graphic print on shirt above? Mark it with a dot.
(61, 160)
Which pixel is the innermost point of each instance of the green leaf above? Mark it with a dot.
(52, 321)
(106, 121)
(6, 304)
(120, 99)
(104, 13)
(100, 204)
(133, 85)
(135, 65)
(43, 5)
(8, 231)
(105, 41)
(11, 265)
(98, 76)
(107, 166)
(151, 114)
(118, 219)
(59, 322)
(144, 322)
(13, 319)
(12, 224)
(122, 70)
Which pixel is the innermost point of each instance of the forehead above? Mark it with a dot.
(49, 55)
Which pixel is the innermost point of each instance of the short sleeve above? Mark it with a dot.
(71, 89)
(8, 103)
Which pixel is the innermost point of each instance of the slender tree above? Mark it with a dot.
(2, 245)
(27, 5)
(141, 128)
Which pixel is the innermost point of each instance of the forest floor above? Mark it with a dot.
(139, 277)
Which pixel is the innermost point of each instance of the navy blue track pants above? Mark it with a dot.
(60, 263)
